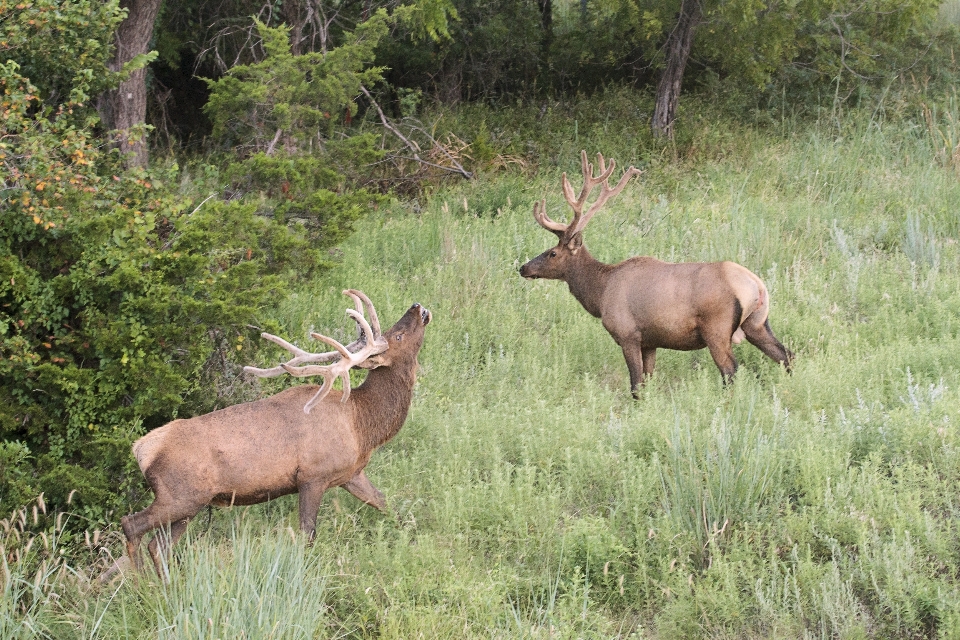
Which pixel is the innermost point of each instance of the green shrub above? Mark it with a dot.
(121, 301)
(286, 121)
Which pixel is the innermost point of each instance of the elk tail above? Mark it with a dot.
(145, 449)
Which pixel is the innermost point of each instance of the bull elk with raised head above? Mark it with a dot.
(302, 440)
(647, 304)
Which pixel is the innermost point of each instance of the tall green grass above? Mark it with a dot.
(534, 497)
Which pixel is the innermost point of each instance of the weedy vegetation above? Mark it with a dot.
(535, 498)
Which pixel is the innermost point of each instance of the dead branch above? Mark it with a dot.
(457, 168)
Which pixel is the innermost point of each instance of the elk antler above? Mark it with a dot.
(358, 297)
(576, 203)
(369, 343)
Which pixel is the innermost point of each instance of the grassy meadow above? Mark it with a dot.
(535, 498)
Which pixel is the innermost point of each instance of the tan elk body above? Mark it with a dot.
(303, 440)
(646, 304)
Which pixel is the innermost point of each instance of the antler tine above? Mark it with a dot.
(341, 368)
(540, 215)
(571, 199)
(359, 306)
(329, 375)
(362, 326)
(301, 357)
(370, 343)
(292, 348)
(589, 182)
(359, 296)
(606, 192)
(330, 341)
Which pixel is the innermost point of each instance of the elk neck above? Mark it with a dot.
(381, 403)
(587, 281)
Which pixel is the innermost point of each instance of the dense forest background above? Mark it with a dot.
(172, 168)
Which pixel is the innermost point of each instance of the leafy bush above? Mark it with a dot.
(281, 117)
(120, 300)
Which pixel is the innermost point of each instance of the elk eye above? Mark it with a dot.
(553, 254)
(399, 337)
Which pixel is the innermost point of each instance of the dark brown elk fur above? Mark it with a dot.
(257, 451)
(647, 304)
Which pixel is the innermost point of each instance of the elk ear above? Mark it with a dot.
(374, 362)
(575, 243)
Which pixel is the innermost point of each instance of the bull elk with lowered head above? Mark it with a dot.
(302, 440)
(647, 304)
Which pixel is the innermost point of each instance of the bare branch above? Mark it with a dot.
(411, 145)
(273, 142)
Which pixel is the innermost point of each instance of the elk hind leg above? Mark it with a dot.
(761, 336)
(164, 511)
(721, 350)
(162, 543)
(133, 535)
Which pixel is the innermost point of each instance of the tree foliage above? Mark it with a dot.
(808, 42)
(118, 294)
(814, 39)
(298, 97)
(285, 118)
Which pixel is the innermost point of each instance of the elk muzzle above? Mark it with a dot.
(548, 264)
(425, 315)
(531, 270)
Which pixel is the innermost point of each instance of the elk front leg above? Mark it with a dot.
(361, 487)
(648, 360)
(311, 495)
(722, 352)
(635, 357)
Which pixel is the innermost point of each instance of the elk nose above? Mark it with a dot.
(425, 315)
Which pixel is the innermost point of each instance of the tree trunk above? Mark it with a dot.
(291, 15)
(546, 38)
(546, 22)
(677, 52)
(126, 106)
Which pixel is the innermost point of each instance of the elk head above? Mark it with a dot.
(556, 263)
